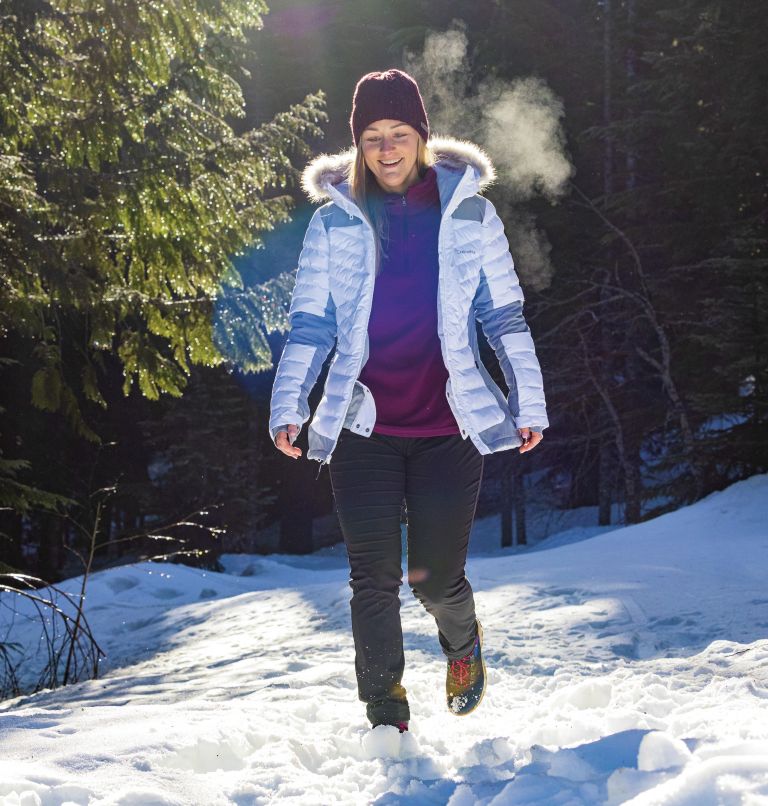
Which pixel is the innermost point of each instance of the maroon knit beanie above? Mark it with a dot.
(391, 94)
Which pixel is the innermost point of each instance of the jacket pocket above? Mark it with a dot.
(361, 414)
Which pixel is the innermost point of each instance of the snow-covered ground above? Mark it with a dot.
(628, 667)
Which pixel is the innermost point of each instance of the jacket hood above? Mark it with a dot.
(450, 152)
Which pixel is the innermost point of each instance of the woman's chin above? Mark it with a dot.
(392, 184)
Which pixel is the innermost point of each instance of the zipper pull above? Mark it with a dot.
(319, 470)
(403, 200)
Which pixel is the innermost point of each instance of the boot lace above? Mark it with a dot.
(460, 670)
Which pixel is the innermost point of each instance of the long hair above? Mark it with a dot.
(369, 197)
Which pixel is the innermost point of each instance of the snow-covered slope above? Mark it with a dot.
(630, 667)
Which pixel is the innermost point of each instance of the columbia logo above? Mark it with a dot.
(465, 251)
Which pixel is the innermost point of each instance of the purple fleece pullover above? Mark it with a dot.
(405, 370)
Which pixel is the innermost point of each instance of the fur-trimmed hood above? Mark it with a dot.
(449, 152)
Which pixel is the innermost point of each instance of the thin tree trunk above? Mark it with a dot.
(518, 496)
(607, 96)
(664, 366)
(631, 72)
(50, 557)
(11, 540)
(296, 507)
(633, 484)
(506, 508)
(605, 458)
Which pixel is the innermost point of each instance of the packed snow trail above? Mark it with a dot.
(630, 667)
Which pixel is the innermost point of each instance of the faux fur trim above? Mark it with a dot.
(333, 169)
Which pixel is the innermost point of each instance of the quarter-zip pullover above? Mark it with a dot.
(405, 370)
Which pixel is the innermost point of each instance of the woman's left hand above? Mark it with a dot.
(530, 439)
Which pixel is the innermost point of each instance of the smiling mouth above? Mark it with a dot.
(391, 164)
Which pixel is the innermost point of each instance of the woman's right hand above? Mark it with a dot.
(284, 439)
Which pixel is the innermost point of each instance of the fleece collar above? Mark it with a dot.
(325, 177)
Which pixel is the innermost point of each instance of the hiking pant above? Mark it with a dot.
(439, 478)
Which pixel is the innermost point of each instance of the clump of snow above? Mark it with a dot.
(24, 798)
(458, 703)
(462, 796)
(382, 741)
(585, 695)
(660, 751)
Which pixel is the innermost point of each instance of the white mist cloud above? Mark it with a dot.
(523, 133)
(518, 122)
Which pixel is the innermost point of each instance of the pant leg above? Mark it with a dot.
(443, 476)
(368, 481)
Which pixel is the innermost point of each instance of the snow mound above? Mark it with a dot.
(626, 668)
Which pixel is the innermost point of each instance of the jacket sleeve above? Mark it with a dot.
(312, 333)
(498, 306)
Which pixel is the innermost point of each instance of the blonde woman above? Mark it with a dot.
(396, 268)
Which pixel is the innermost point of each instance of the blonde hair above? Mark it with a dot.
(369, 197)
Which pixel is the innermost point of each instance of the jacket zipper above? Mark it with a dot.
(442, 218)
(328, 460)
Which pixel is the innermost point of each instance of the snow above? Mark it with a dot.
(627, 665)
(661, 751)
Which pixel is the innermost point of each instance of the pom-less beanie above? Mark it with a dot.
(391, 94)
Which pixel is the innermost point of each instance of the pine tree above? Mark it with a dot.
(701, 202)
(126, 190)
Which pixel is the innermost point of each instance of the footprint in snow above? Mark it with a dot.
(165, 593)
(120, 584)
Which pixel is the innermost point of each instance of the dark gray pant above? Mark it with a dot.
(439, 478)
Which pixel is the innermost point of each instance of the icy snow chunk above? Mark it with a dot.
(25, 798)
(661, 751)
(567, 764)
(462, 796)
(209, 755)
(385, 741)
(490, 752)
(589, 694)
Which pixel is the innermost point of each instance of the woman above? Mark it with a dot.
(395, 269)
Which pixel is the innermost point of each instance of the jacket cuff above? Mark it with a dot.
(274, 429)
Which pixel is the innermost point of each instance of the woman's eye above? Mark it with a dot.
(398, 136)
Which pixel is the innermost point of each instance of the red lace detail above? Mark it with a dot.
(460, 669)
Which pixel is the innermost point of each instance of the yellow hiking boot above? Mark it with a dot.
(465, 681)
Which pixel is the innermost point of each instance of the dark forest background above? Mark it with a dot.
(151, 219)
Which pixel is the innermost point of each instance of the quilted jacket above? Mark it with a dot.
(332, 300)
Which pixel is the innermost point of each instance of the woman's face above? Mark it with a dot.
(389, 149)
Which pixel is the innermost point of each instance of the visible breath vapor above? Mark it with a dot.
(517, 122)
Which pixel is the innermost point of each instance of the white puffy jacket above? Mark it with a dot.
(477, 281)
